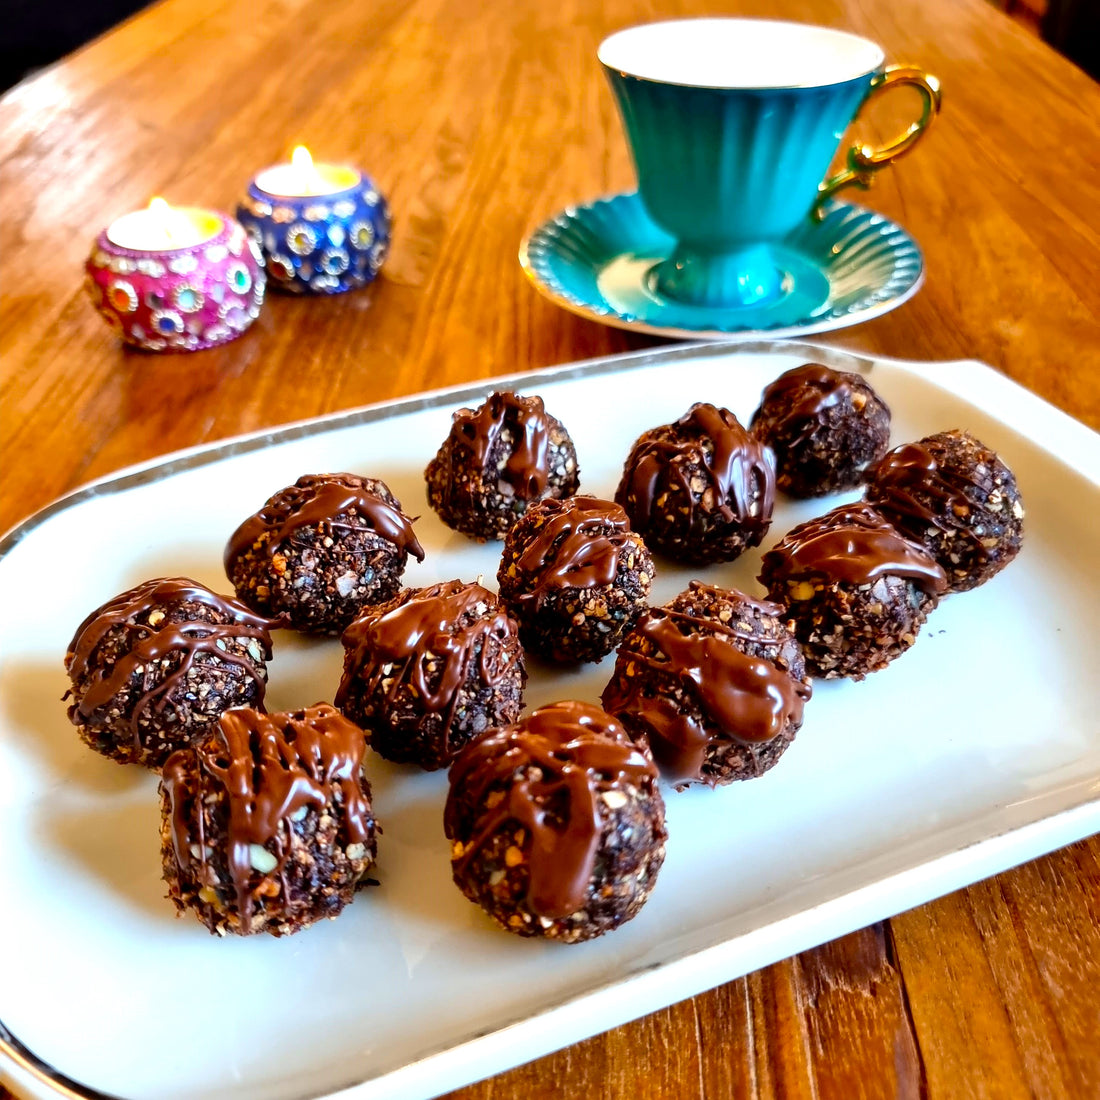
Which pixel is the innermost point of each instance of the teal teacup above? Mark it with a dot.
(732, 124)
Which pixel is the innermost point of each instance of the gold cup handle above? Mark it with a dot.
(865, 160)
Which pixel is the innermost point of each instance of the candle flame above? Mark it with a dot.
(301, 160)
(173, 222)
(305, 172)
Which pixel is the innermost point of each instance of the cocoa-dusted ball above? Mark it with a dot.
(556, 824)
(713, 684)
(575, 577)
(496, 462)
(155, 667)
(955, 496)
(321, 550)
(856, 590)
(827, 427)
(700, 489)
(430, 670)
(267, 826)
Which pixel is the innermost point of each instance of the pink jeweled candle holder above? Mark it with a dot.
(176, 279)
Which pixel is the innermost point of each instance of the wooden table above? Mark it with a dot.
(478, 119)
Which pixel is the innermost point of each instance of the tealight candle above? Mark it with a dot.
(161, 227)
(322, 228)
(176, 278)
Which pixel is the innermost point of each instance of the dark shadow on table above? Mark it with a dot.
(37, 34)
(1073, 28)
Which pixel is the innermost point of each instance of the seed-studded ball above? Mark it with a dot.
(713, 684)
(556, 824)
(154, 668)
(496, 462)
(321, 550)
(575, 577)
(827, 427)
(856, 590)
(956, 497)
(267, 825)
(700, 489)
(431, 670)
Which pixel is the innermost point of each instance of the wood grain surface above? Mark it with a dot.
(478, 120)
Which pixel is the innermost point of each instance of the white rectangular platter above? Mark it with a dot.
(977, 750)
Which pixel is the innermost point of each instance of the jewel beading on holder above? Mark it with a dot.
(178, 279)
(322, 228)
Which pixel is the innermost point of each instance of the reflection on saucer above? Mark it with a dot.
(597, 260)
(628, 285)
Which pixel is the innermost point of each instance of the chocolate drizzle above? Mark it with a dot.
(747, 699)
(147, 643)
(573, 547)
(527, 467)
(318, 500)
(423, 638)
(912, 472)
(853, 544)
(270, 766)
(797, 399)
(551, 768)
(740, 599)
(739, 469)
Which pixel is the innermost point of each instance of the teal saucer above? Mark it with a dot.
(598, 260)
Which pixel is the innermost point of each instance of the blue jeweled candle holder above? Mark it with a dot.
(322, 228)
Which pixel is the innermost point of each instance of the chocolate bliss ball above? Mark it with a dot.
(956, 497)
(154, 668)
(713, 684)
(267, 825)
(321, 550)
(575, 577)
(556, 824)
(498, 460)
(827, 427)
(856, 590)
(700, 489)
(432, 669)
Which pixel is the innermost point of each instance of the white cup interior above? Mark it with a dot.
(740, 53)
